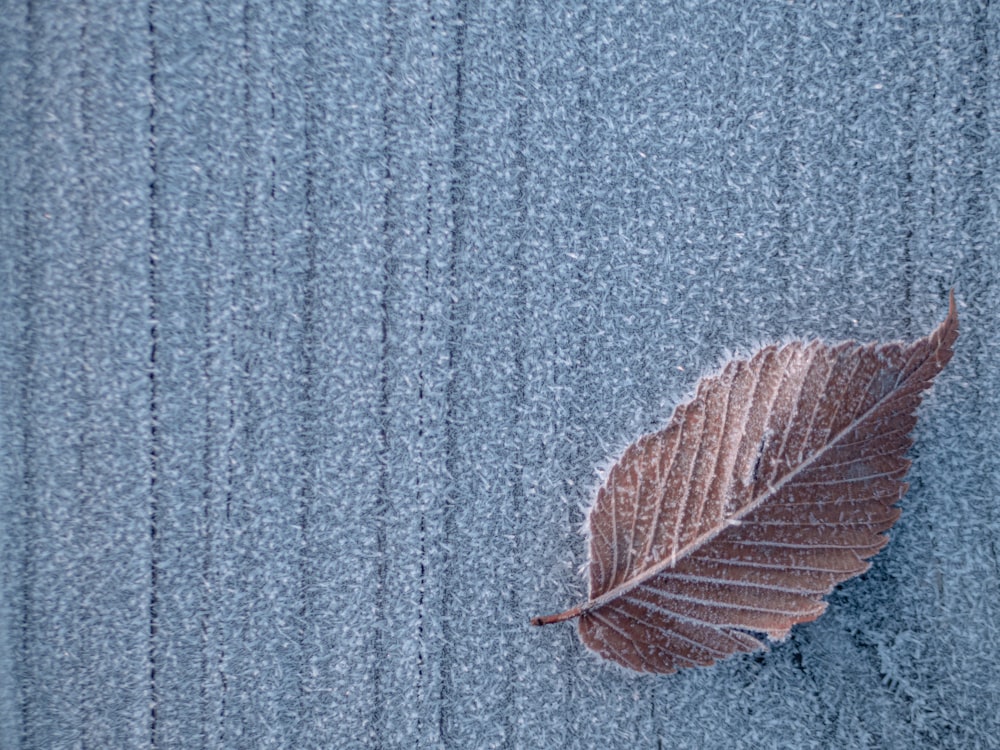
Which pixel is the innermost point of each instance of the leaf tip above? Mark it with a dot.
(950, 324)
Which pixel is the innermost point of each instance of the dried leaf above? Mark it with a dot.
(774, 483)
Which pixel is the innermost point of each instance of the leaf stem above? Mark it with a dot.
(569, 614)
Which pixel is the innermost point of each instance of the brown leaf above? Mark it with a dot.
(774, 483)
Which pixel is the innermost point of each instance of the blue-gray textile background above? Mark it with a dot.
(317, 321)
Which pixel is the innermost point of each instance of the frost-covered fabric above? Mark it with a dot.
(317, 321)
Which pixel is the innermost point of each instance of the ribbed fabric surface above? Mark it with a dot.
(318, 319)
